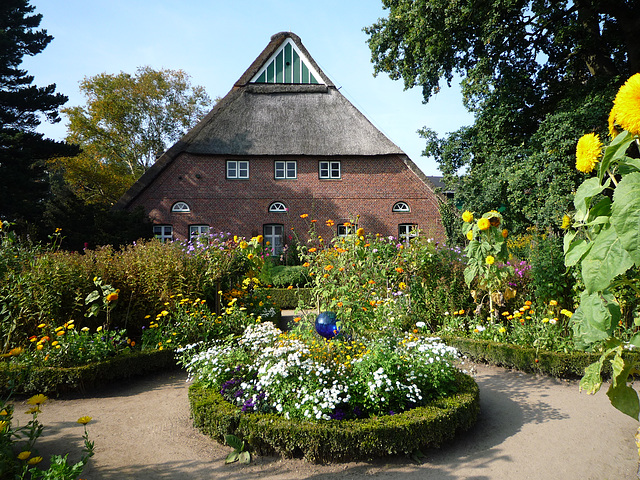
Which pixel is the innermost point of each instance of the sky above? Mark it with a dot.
(215, 41)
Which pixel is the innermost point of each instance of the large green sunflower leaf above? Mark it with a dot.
(625, 214)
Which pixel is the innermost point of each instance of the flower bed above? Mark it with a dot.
(339, 440)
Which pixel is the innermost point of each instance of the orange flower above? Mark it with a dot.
(297, 319)
(399, 270)
(505, 233)
(312, 249)
(314, 220)
(112, 296)
(330, 223)
(305, 264)
(304, 215)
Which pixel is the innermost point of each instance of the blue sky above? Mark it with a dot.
(215, 41)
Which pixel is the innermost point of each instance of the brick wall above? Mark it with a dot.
(369, 187)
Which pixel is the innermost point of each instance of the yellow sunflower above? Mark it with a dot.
(483, 224)
(614, 129)
(627, 105)
(588, 152)
(467, 216)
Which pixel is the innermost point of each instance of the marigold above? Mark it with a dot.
(312, 249)
(467, 216)
(588, 152)
(399, 269)
(483, 224)
(490, 260)
(627, 105)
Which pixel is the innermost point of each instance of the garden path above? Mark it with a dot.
(530, 427)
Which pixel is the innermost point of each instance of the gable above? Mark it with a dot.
(287, 65)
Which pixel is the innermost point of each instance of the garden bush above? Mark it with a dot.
(339, 440)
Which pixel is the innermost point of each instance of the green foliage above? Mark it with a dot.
(240, 451)
(289, 299)
(18, 452)
(23, 152)
(128, 121)
(282, 276)
(604, 243)
(339, 440)
(536, 75)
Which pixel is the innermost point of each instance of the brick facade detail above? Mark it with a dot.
(368, 187)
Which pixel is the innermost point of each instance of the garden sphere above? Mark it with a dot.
(326, 325)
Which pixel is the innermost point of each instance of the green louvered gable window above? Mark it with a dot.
(286, 66)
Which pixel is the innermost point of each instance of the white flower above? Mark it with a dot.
(420, 324)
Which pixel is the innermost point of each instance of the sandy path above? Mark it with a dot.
(530, 427)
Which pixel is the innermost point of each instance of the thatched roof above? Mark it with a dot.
(277, 119)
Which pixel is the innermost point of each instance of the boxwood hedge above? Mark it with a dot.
(527, 359)
(52, 381)
(339, 440)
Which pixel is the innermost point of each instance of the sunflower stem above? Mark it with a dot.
(613, 178)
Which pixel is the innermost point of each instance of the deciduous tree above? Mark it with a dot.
(127, 122)
(530, 70)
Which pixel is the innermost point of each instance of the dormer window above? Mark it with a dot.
(401, 207)
(180, 207)
(278, 207)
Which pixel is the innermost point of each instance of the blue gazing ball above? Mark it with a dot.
(326, 325)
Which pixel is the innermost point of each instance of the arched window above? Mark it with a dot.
(277, 207)
(180, 207)
(401, 207)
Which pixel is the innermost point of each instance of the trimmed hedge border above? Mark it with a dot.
(51, 380)
(339, 440)
(526, 359)
(288, 299)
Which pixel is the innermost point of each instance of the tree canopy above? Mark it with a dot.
(128, 121)
(536, 75)
(24, 152)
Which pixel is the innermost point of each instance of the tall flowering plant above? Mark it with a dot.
(603, 239)
(487, 254)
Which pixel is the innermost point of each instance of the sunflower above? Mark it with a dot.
(467, 216)
(626, 105)
(588, 152)
(614, 128)
(490, 260)
(483, 224)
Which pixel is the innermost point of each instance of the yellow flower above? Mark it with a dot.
(34, 460)
(627, 105)
(330, 223)
(290, 287)
(42, 325)
(39, 346)
(24, 455)
(3, 425)
(38, 399)
(113, 296)
(402, 285)
(243, 245)
(490, 260)
(505, 233)
(297, 319)
(553, 302)
(250, 256)
(259, 238)
(60, 333)
(360, 232)
(470, 235)
(545, 320)
(588, 152)
(467, 216)
(304, 215)
(54, 343)
(312, 249)
(566, 222)
(328, 268)
(16, 351)
(483, 224)
(502, 330)
(84, 420)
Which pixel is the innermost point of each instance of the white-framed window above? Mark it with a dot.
(407, 231)
(181, 207)
(273, 238)
(238, 169)
(401, 207)
(329, 169)
(197, 230)
(346, 228)
(164, 233)
(278, 207)
(285, 169)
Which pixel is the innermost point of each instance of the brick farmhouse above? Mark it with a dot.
(282, 143)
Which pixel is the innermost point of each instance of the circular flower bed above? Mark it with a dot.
(298, 394)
